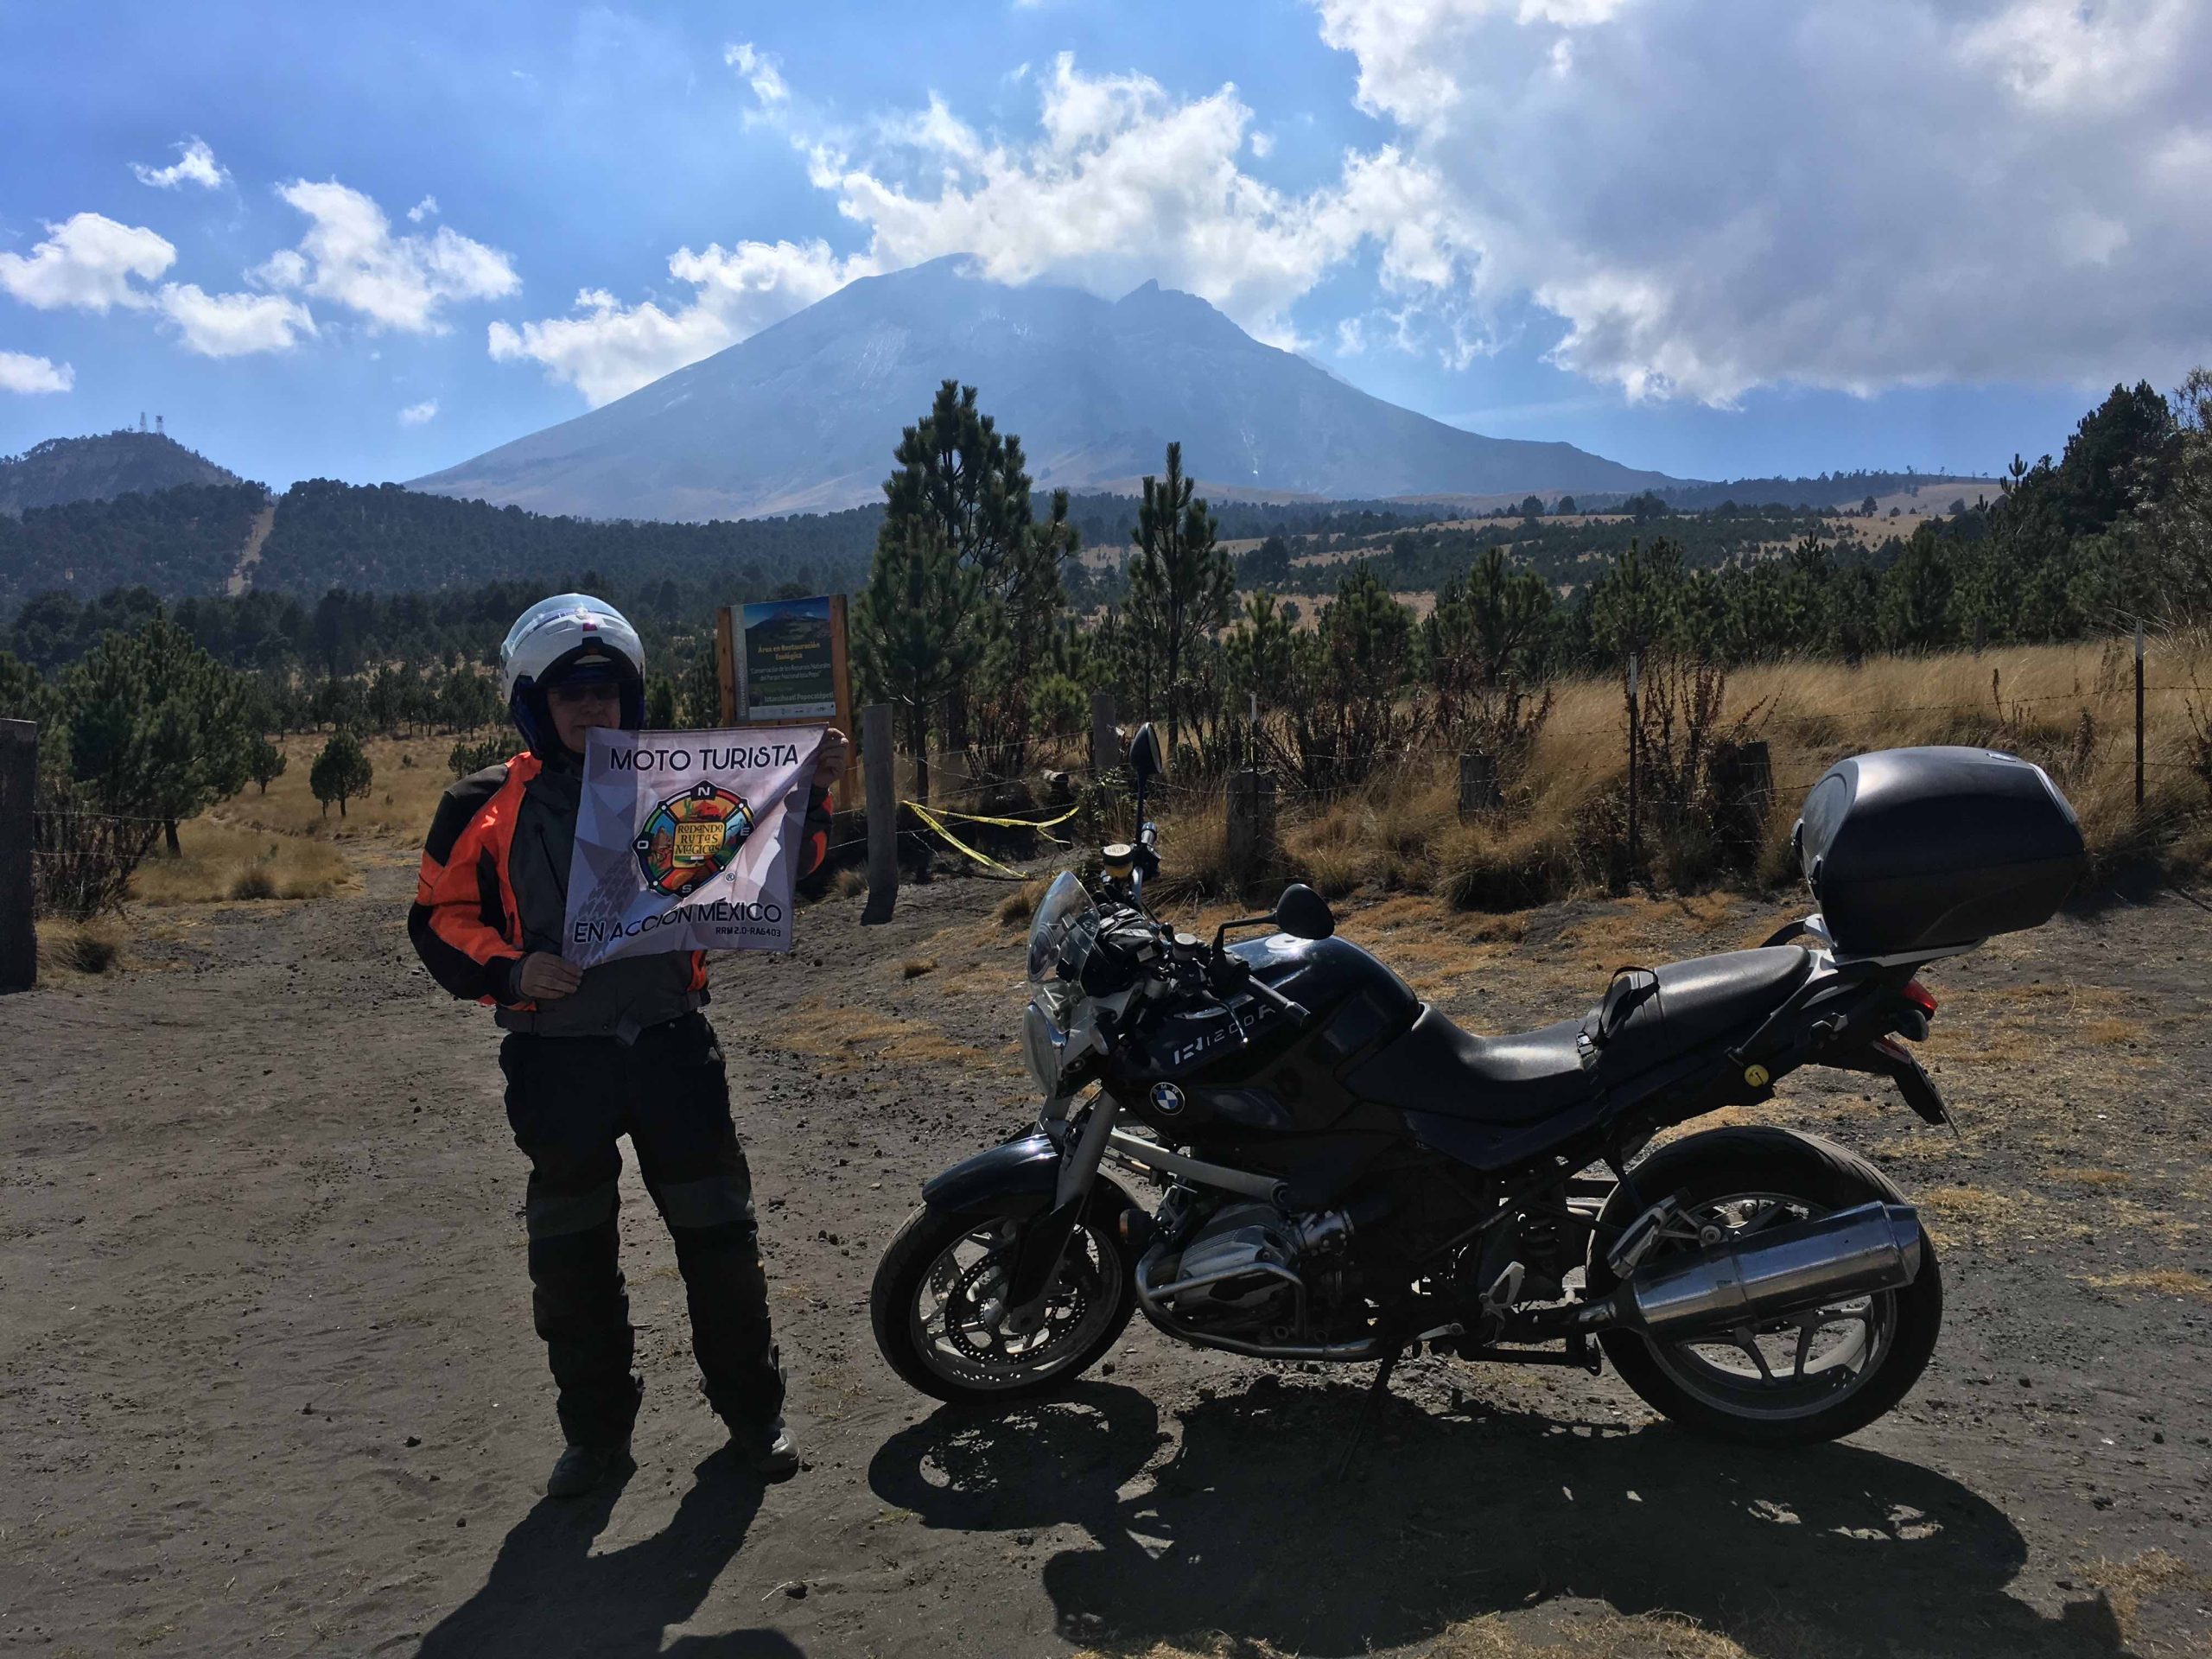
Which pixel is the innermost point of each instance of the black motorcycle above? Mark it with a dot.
(1349, 1175)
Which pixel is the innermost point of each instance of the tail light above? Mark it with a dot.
(1913, 1024)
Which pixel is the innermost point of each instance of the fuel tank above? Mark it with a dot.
(1236, 1077)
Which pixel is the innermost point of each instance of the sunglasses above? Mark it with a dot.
(576, 697)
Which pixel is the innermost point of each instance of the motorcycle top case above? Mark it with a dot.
(1918, 849)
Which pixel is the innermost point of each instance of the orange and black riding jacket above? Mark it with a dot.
(494, 888)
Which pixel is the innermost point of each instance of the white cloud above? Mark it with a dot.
(609, 348)
(420, 414)
(760, 71)
(1844, 193)
(286, 268)
(426, 208)
(87, 263)
(350, 257)
(196, 165)
(234, 325)
(93, 264)
(1124, 182)
(20, 371)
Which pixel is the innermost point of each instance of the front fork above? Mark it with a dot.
(1043, 1241)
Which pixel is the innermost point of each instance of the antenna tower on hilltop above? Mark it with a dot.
(157, 425)
(142, 420)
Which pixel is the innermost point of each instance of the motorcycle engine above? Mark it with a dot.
(1246, 1269)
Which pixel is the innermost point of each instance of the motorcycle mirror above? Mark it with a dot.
(1144, 756)
(1304, 913)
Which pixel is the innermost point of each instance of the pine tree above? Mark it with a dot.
(1914, 610)
(340, 771)
(911, 633)
(1259, 651)
(158, 728)
(1180, 583)
(959, 474)
(1021, 615)
(264, 762)
(25, 696)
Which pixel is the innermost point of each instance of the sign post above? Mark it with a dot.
(786, 662)
(18, 793)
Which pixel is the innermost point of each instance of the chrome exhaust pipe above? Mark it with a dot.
(1870, 1247)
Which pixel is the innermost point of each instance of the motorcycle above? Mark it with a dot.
(1348, 1176)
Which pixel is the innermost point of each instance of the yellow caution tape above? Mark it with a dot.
(1009, 823)
(931, 819)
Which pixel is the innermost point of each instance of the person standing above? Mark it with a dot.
(592, 1054)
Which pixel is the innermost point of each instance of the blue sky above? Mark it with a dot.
(1715, 240)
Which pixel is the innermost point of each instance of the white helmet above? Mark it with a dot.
(569, 638)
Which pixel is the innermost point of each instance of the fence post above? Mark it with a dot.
(1251, 825)
(1477, 786)
(1635, 858)
(1743, 779)
(877, 762)
(1105, 743)
(726, 663)
(2138, 719)
(18, 788)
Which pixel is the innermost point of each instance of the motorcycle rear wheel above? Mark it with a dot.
(1810, 1377)
(934, 1289)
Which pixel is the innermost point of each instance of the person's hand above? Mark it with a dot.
(831, 761)
(544, 977)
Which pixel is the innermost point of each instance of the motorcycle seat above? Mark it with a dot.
(1647, 1016)
(1652, 1014)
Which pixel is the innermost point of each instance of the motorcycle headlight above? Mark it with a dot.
(1044, 1048)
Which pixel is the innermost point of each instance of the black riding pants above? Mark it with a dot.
(568, 1098)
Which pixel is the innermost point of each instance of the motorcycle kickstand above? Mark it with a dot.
(1373, 1403)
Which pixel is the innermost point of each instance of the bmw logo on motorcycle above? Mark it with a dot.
(1166, 1098)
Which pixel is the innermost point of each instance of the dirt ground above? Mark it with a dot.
(268, 1384)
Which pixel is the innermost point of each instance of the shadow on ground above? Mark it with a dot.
(1244, 1531)
(548, 1595)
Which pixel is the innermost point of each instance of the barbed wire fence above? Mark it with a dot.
(1772, 763)
(82, 862)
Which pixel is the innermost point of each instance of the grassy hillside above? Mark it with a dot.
(1561, 829)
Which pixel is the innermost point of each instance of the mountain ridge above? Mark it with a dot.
(99, 467)
(802, 416)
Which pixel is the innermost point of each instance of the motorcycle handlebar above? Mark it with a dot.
(1298, 1013)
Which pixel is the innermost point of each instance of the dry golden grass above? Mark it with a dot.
(845, 1039)
(2094, 1177)
(409, 776)
(1609, 1635)
(1019, 905)
(915, 967)
(226, 860)
(2128, 1584)
(1976, 1213)
(79, 947)
(2164, 1282)
(2069, 707)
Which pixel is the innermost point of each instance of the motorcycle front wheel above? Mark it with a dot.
(1815, 1374)
(938, 1312)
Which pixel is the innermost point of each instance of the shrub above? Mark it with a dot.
(82, 862)
(1058, 707)
(475, 756)
(80, 949)
(255, 881)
